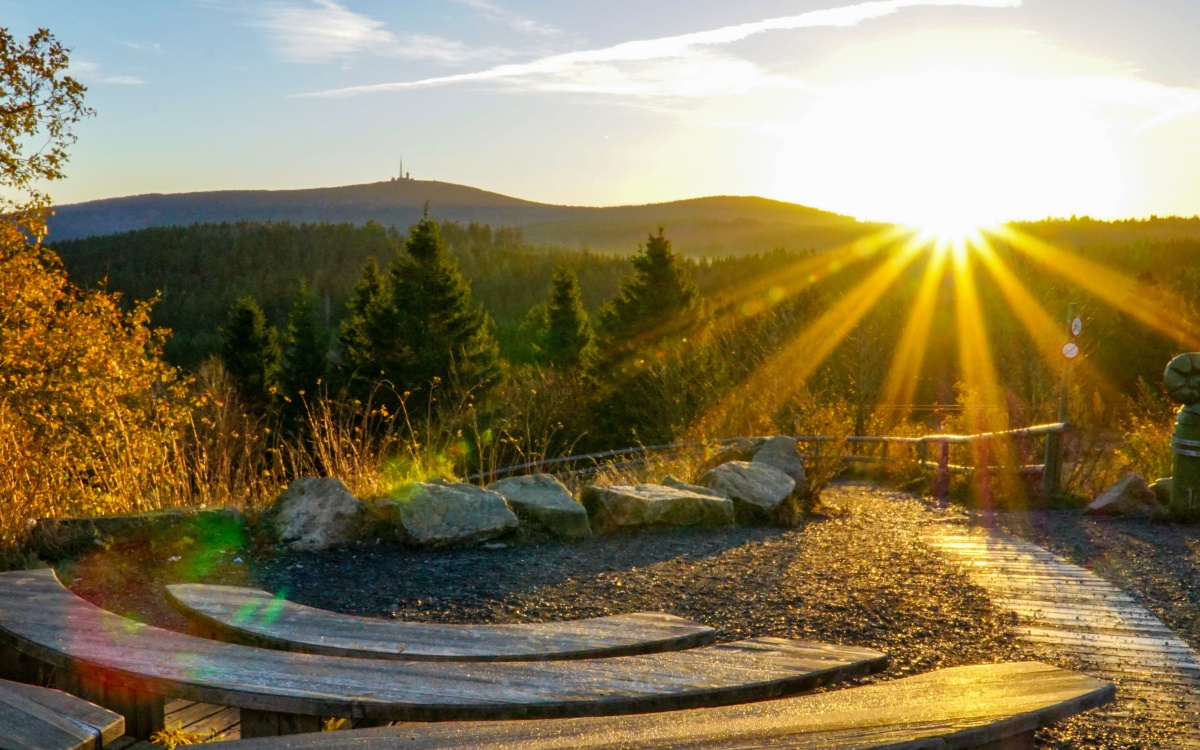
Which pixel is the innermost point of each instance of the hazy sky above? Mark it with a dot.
(895, 109)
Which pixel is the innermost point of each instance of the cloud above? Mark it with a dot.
(574, 67)
(142, 46)
(123, 80)
(90, 71)
(493, 12)
(323, 31)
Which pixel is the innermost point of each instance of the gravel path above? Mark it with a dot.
(861, 577)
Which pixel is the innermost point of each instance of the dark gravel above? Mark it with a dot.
(859, 577)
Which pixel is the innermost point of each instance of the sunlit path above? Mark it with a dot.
(1068, 610)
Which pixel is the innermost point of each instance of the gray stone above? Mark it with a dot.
(314, 514)
(679, 484)
(653, 505)
(756, 489)
(57, 538)
(544, 500)
(1162, 490)
(781, 452)
(1129, 495)
(445, 514)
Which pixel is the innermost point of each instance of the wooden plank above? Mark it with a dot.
(47, 621)
(951, 708)
(1070, 611)
(257, 618)
(106, 725)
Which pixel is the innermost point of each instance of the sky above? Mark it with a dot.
(920, 111)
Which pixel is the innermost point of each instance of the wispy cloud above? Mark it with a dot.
(494, 12)
(323, 31)
(142, 46)
(575, 68)
(123, 80)
(90, 72)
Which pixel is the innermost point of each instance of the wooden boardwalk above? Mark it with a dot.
(202, 718)
(1069, 611)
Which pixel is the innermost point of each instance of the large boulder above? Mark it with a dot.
(315, 513)
(1128, 496)
(446, 514)
(757, 490)
(679, 484)
(781, 452)
(544, 500)
(1161, 488)
(653, 505)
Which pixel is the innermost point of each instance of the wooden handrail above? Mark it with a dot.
(597, 458)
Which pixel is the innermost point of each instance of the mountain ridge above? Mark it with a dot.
(725, 223)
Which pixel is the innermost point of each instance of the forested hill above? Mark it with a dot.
(720, 225)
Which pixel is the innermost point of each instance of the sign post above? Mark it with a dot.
(1052, 469)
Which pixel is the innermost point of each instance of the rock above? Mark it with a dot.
(59, 538)
(544, 500)
(1162, 490)
(653, 505)
(679, 484)
(756, 489)
(781, 452)
(445, 514)
(314, 514)
(1129, 495)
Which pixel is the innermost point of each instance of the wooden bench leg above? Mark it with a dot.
(1022, 741)
(275, 724)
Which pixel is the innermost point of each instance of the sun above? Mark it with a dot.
(954, 230)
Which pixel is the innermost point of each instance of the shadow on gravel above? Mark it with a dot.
(451, 585)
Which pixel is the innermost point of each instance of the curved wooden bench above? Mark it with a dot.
(257, 618)
(37, 718)
(994, 706)
(281, 692)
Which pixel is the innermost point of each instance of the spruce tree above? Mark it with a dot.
(657, 299)
(568, 338)
(447, 336)
(250, 350)
(362, 332)
(305, 351)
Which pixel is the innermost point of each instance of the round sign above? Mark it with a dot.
(1071, 350)
(1076, 327)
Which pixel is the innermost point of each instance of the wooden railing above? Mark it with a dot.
(932, 451)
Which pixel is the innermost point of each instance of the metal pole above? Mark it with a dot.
(1052, 470)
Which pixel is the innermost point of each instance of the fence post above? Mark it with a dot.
(941, 479)
(1052, 464)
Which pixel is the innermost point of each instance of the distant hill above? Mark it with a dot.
(723, 225)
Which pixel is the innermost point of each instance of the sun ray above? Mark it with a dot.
(900, 385)
(1165, 312)
(988, 412)
(807, 272)
(802, 357)
(1047, 334)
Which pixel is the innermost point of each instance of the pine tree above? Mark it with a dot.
(568, 341)
(305, 361)
(657, 299)
(448, 336)
(250, 349)
(362, 330)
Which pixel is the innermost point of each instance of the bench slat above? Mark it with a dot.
(950, 708)
(256, 617)
(48, 622)
(36, 718)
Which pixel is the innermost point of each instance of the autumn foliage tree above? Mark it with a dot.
(88, 409)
